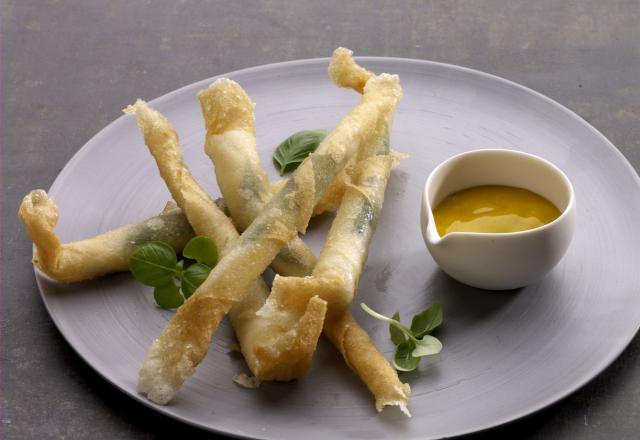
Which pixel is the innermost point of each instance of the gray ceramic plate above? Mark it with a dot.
(506, 354)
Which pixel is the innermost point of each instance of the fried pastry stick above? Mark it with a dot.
(345, 73)
(232, 146)
(183, 343)
(352, 341)
(337, 272)
(244, 184)
(344, 253)
(290, 346)
(105, 253)
(336, 275)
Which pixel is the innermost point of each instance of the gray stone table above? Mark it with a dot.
(69, 67)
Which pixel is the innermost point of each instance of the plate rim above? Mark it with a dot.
(165, 410)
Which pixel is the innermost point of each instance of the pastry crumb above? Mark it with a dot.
(249, 382)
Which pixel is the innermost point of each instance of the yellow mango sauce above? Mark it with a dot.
(493, 209)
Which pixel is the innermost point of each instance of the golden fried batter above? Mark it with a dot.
(291, 347)
(184, 341)
(97, 256)
(229, 149)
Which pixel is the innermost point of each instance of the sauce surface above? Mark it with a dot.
(493, 209)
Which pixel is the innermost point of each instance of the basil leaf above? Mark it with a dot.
(397, 336)
(403, 359)
(168, 296)
(202, 249)
(426, 321)
(427, 346)
(153, 264)
(293, 150)
(192, 277)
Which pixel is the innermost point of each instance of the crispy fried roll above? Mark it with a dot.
(99, 255)
(227, 147)
(184, 342)
(292, 346)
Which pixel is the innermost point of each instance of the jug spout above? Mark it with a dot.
(432, 236)
(427, 224)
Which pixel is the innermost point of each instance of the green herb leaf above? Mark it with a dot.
(397, 336)
(293, 150)
(192, 277)
(168, 296)
(426, 346)
(153, 264)
(426, 321)
(179, 268)
(410, 348)
(403, 359)
(393, 322)
(202, 249)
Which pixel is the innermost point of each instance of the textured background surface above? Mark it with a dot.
(69, 67)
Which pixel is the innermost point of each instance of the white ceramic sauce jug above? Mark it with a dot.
(499, 261)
